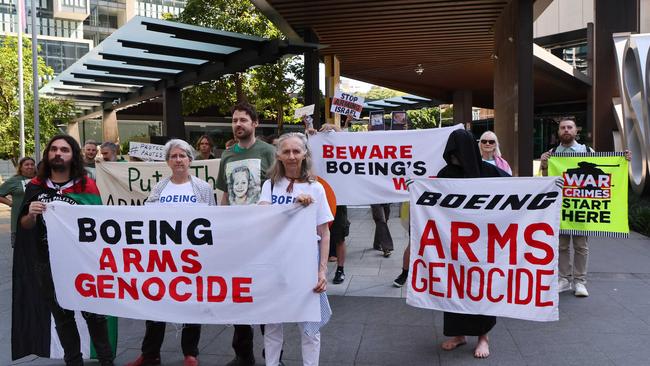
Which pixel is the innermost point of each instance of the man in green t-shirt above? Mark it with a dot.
(15, 187)
(242, 171)
(243, 166)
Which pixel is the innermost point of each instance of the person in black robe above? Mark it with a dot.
(464, 161)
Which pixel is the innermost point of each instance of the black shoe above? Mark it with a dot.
(239, 361)
(401, 279)
(339, 277)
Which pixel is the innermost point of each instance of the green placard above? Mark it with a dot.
(594, 193)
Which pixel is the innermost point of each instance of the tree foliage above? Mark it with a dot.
(271, 88)
(430, 117)
(51, 111)
(379, 92)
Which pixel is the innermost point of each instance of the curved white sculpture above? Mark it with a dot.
(632, 109)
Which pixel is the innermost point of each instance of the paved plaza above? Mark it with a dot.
(372, 325)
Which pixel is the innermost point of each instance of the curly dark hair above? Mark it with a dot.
(245, 107)
(77, 170)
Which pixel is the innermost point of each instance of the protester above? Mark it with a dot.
(204, 147)
(576, 273)
(109, 151)
(464, 161)
(383, 241)
(490, 152)
(15, 187)
(62, 179)
(406, 257)
(257, 156)
(181, 186)
(291, 176)
(90, 152)
(339, 230)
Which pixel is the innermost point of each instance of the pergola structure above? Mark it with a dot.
(149, 58)
(466, 52)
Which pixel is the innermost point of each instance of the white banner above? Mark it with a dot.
(347, 104)
(130, 183)
(147, 152)
(477, 248)
(372, 167)
(186, 264)
(307, 110)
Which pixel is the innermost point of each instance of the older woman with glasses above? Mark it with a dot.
(181, 188)
(291, 181)
(488, 144)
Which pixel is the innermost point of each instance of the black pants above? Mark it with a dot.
(380, 214)
(155, 334)
(242, 341)
(66, 326)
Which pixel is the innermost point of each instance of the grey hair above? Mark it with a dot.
(189, 151)
(110, 145)
(277, 172)
(497, 151)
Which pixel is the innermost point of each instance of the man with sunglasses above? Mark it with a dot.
(567, 132)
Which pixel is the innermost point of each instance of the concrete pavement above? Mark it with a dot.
(372, 325)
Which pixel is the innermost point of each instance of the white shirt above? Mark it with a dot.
(280, 196)
(178, 193)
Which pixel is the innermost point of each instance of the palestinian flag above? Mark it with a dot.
(32, 325)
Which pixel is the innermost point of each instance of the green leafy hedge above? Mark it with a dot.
(639, 214)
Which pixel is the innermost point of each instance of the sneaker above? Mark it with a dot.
(190, 361)
(238, 361)
(563, 285)
(581, 290)
(401, 279)
(387, 253)
(339, 277)
(142, 361)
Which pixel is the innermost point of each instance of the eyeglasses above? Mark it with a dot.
(488, 142)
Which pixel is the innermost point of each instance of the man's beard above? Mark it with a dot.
(58, 165)
(566, 139)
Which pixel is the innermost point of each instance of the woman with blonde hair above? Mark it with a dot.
(488, 144)
(291, 181)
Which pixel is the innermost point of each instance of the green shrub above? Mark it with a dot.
(639, 214)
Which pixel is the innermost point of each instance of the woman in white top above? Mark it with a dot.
(181, 188)
(291, 181)
(488, 144)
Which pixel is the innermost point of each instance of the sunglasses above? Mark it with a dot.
(488, 142)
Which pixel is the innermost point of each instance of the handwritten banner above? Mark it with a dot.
(122, 183)
(372, 167)
(186, 264)
(347, 104)
(476, 249)
(594, 194)
(147, 152)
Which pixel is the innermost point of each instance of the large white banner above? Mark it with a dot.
(485, 246)
(373, 167)
(130, 183)
(186, 264)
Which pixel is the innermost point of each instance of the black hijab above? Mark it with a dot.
(463, 146)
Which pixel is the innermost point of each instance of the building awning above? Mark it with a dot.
(145, 56)
(403, 102)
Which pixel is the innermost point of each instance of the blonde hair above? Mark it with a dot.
(277, 172)
(497, 151)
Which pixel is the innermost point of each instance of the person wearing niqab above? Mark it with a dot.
(464, 161)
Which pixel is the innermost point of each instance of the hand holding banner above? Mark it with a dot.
(186, 264)
(476, 249)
